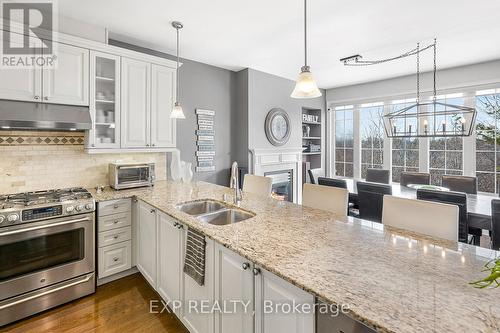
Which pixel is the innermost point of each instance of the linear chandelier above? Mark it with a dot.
(424, 118)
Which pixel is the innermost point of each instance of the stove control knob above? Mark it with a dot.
(69, 209)
(89, 206)
(2, 219)
(12, 217)
(79, 208)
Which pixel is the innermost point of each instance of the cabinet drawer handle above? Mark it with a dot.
(116, 236)
(180, 226)
(116, 221)
(147, 144)
(46, 98)
(37, 97)
(153, 210)
(116, 206)
(245, 266)
(256, 271)
(115, 259)
(176, 224)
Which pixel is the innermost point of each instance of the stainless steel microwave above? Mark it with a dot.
(129, 175)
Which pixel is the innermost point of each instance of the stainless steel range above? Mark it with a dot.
(46, 250)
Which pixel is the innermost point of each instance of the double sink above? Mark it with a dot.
(214, 212)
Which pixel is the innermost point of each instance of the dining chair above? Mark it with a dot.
(460, 183)
(495, 224)
(430, 218)
(332, 199)
(334, 182)
(259, 185)
(414, 178)
(453, 198)
(377, 176)
(311, 176)
(371, 200)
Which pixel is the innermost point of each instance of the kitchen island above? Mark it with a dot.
(390, 280)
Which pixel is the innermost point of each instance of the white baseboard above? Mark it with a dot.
(117, 276)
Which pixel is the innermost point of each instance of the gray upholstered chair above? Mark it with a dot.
(460, 183)
(377, 176)
(415, 178)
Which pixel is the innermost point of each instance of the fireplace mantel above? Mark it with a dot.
(277, 159)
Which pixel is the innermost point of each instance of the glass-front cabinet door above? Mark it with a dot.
(104, 100)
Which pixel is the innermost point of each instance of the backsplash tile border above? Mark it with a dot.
(40, 138)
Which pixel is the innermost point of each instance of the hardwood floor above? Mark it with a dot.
(120, 306)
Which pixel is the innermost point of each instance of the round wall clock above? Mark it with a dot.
(278, 127)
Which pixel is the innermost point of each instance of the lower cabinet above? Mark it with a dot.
(169, 259)
(146, 239)
(237, 295)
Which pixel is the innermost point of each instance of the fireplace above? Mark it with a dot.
(282, 188)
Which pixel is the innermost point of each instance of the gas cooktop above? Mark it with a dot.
(39, 205)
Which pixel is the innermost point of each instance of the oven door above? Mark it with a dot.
(133, 176)
(39, 254)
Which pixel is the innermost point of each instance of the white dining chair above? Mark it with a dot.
(259, 185)
(425, 217)
(333, 199)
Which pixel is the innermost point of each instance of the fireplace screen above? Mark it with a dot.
(282, 184)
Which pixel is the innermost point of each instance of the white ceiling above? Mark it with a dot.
(267, 35)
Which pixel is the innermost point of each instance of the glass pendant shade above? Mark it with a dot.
(306, 86)
(177, 112)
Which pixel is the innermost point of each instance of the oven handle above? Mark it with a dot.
(18, 231)
(29, 298)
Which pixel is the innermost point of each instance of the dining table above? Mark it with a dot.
(478, 205)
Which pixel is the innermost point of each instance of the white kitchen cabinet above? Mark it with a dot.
(198, 321)
(21, 84)
(272, 289)
(68, 82)
(163, 128)
(170, 255)
(146, 239)
(104, 100)
(234, 281)
(114, 258)
(136, 103)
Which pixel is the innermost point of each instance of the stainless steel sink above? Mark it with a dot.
(226, 216)
(214, 212)
(200, 207)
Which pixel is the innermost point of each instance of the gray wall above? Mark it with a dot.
(207, 87)
(447, 79)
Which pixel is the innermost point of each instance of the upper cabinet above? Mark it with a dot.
(148, 95)
(21, 84)
(162, 101)
(136, 103)
(66, 83)
(105, 100)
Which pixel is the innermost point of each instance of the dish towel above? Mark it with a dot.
(194, 263)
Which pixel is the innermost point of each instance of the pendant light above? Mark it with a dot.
(177, 112)
(305, 87)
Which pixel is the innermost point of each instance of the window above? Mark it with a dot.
(445, 154)
(344, 141)
(372, 136)
(487, 139)
(405, 151)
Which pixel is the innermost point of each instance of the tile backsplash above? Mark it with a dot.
(40, 160)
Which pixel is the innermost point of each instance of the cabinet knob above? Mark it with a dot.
(116, 236)
(116, 221)
(115, 259)
(256, 271)
(245, 266)
(46, 98)
(147, 144)
(176, 224)
(153, 210)
(37, 97)
(93, 145)
(180, 226)
(153, 145)
(115, 206)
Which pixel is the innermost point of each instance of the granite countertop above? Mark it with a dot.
(391, 280)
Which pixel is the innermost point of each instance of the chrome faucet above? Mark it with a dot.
(234, 183)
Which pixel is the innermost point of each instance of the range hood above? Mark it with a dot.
(44, 116)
